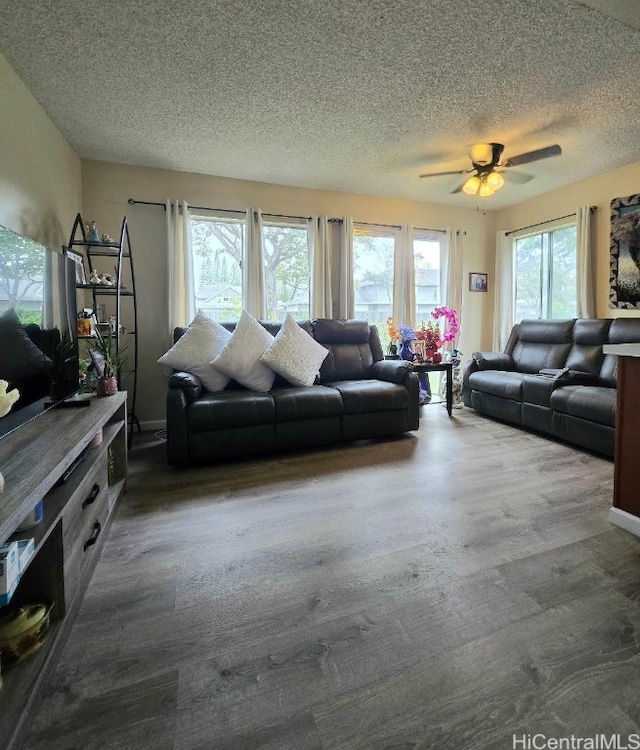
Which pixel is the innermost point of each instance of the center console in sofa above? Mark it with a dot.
(357, 395)
(575, 401)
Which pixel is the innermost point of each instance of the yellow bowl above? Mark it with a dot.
(22, 632)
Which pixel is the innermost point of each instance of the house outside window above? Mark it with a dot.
(545, 274)
(373, 262)
(217, 257)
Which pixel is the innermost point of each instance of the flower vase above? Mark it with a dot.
(405, 350)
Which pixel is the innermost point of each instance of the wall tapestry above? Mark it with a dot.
(624, 253)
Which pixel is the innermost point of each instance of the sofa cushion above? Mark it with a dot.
(350, 354)
(621, 331)
(294, 354)
(312, 402)
(240, 358)
(593, 403)
(542, 344)
(193, 351)
(364, 396)
(502, 383)
(538, 390)
(230, 410)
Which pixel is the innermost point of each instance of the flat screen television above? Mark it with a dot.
(38, 328)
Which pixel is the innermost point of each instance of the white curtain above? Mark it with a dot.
(253, 287)
(182, 298)
(586, 307)
(451, 270)
(318, 240)
(404, 278)
(346, 302)
(503, 292)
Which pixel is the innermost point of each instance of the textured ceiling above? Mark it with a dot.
(356, 96)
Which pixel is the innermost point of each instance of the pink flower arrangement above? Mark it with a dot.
(452, 327)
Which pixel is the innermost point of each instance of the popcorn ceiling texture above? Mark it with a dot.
(350, 95)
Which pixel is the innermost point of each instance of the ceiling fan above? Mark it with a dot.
(488, 170)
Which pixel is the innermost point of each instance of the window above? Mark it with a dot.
(426, 255)
(545, 274)
(373, 259)
(217, 257)
(286, 270)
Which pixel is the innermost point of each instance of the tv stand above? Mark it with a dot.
(33, 459)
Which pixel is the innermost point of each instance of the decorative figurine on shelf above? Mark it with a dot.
(95, 278)
(107, 240)
(92, 232)
(107, 280)
(7, 398)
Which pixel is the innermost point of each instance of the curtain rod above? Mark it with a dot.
(593, 209)
(389, 226)
(133, 202)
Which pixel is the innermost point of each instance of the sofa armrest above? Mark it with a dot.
(183, 388)
(483, 361)
(492, 361)
(391, 370)
(577, 377)
(188, 383)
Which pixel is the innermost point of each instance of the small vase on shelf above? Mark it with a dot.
(405, 350)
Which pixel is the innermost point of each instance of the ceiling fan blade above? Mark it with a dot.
(459, 188)
(529, 156)
(518, 178)
(441, 174)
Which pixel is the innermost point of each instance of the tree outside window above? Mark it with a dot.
(217, 251)
(373, 260)
(545, 274)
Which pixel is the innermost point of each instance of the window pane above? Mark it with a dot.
(287, 272)
(528, 268)
(217, 254)
(426, 255)
(545, 273)
(563, 280)
(373, 257)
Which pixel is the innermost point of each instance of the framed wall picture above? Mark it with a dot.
(624, 253)
(478, 282)
(78, 259)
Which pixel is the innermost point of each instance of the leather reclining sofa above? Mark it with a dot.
(577, 406)
(357, 395)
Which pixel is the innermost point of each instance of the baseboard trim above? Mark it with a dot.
(624, 520)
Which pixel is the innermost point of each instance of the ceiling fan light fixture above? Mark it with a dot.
(472, 185)
(495, 180)
(485, 189)
(482, 153)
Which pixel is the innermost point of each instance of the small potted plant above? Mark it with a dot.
(105, 345)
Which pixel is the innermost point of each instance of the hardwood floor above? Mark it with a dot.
(440, 590)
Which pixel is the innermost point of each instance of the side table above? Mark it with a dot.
(441, 367)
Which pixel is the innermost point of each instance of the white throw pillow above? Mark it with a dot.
(240, 358)
(203, 340)
(294, 354)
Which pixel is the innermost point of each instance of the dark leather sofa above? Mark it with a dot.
(578, 406)
(358, 395)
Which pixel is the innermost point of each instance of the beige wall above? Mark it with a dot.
(107, 187)
(596, 191)
(40, 187)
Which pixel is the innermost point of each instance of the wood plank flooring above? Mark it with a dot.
(444, 589)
